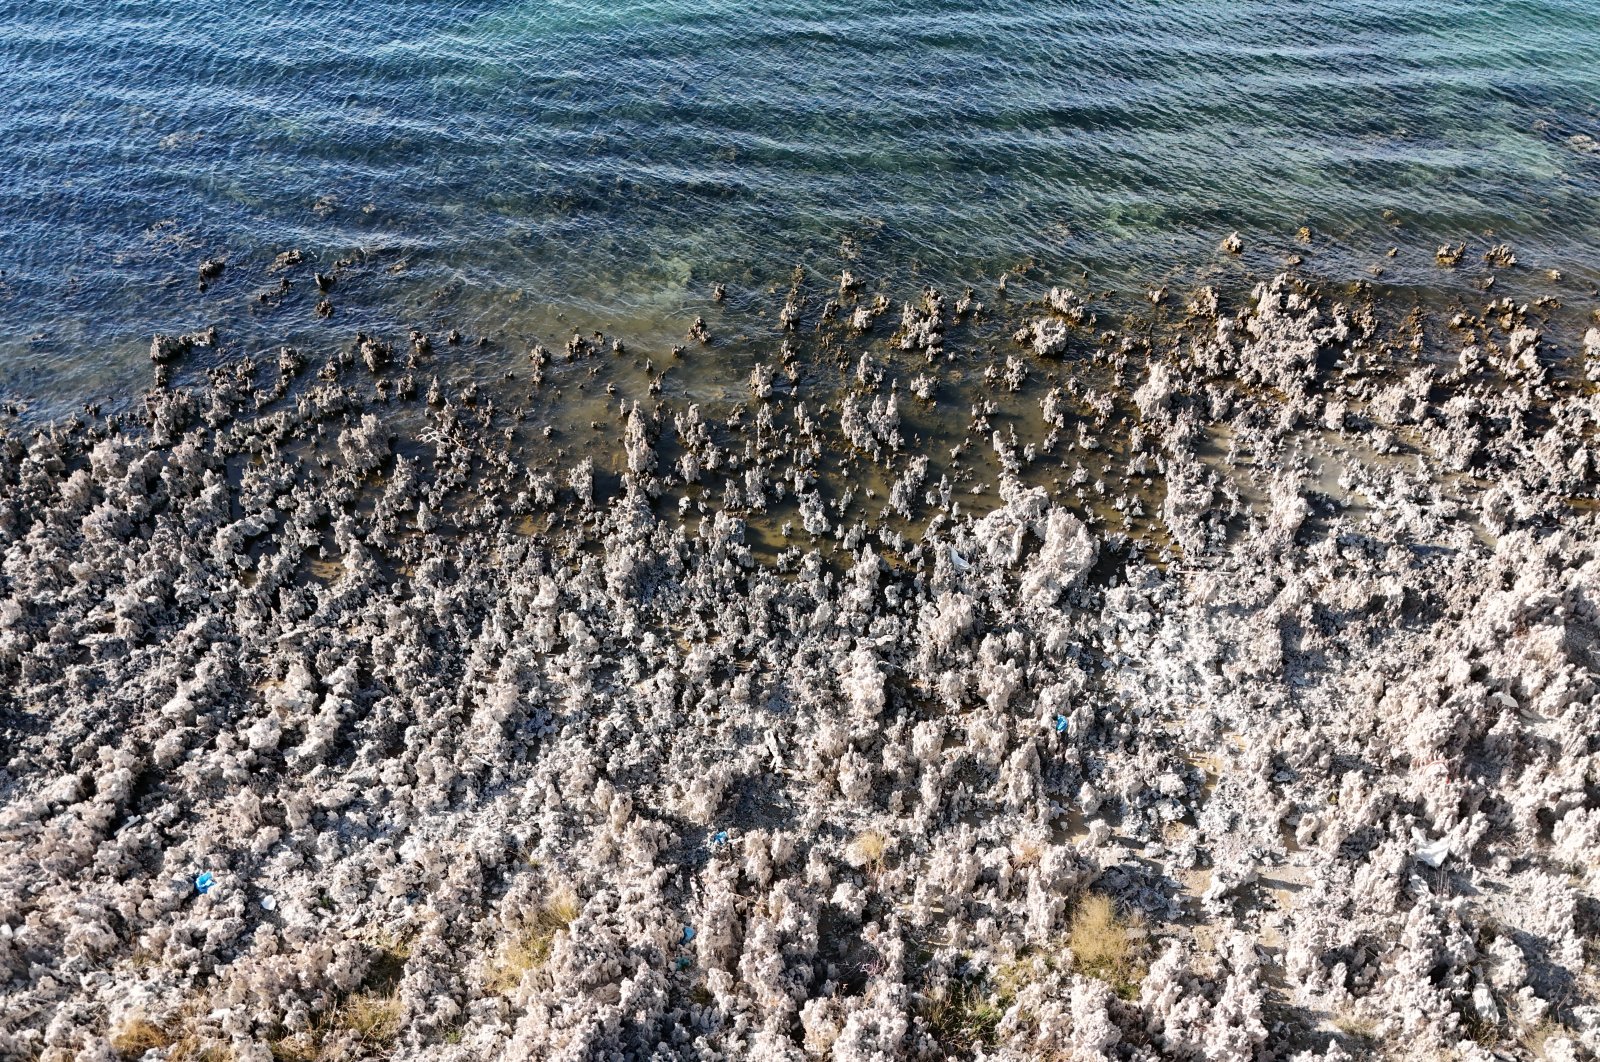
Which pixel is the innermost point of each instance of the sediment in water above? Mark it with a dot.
(796, 737)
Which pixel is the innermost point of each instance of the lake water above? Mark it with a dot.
(514, 169)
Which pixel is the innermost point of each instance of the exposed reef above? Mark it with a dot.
(1226, 692)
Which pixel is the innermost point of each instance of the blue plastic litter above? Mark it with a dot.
(683, 962)
(1061, 724)
(720, 837)
(203, 883)
(688, 934)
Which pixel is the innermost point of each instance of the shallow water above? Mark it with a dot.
(516, 168)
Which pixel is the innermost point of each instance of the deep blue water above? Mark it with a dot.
(499, 163)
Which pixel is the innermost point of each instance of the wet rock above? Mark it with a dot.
(1066, 303)
(164, 349)
(1500, 256)
(1048, 337)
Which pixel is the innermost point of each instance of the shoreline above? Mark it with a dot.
(1273, 632)
(269, 298)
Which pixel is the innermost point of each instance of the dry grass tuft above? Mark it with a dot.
(139, 1035)
(961, 1016)
(370, 1017)
(1536, 1039)
(192, 1049)
(1355, 1028)
(295, 1048)
(866, 850)
(1025, 851)
(563, 906)
(176, 1037)
(387, 966)
(531, 947)
(373, 1018)
(1102, 945)
(1010, 978)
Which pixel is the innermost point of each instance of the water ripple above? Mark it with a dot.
(613, 153)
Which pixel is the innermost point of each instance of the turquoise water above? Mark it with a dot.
(495, 165)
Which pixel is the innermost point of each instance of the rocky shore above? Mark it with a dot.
(1239, 703)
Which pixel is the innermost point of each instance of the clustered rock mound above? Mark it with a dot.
(520, 773)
